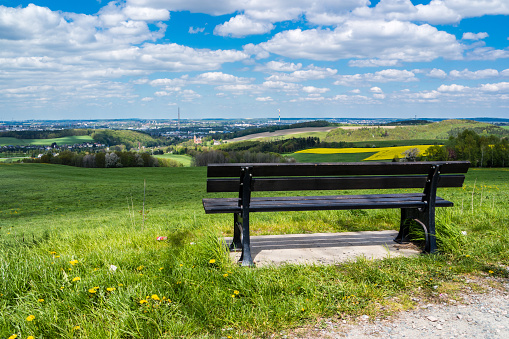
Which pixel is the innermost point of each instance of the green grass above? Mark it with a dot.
(52, 216)
(71, 140)
(309, 157)
(183, 159)
(505, 127)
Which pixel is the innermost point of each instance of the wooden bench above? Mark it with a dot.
(246, 178)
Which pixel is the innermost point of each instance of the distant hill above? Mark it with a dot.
(437, 130)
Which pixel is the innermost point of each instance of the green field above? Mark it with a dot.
(71, 140)
(183, 159)
(61, 229)
(338, 157)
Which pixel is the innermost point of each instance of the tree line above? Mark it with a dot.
(480, 150)
(104, 160)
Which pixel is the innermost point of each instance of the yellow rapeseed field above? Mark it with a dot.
(383, 153)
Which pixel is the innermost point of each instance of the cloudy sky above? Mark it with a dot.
(93, 59)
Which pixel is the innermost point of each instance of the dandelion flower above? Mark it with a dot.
(211, 261)
(490, 272)
(52, 252)
(120, 285)
(161, 268)
(111, 289)
(77, 327)
(30, 337)
(225, 275)
(14, 336)
(236, 292)
(40, 300)
(76, 279)
(30, 317)
(155, 297)
(92, 291)
(139, 268)
(73, 262)
(143, 301)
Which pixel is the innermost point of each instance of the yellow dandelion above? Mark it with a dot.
(57, 256)
(77, 327)
(233, 295)
(161, 268)
(30, 337)
(52, 252)
(468, 255)
(120, 285)
(92, 291)
(30, 317)
(181, 265)
(225, 275)
(155, 297)
(212, 261)
(96, 287)
(40, 300)
(76, 279)
(111, 289)
(73, 262)
(236, 292)
(139, 268)
(303, 309)
(143, 301)
(490, 272)
(14, 336)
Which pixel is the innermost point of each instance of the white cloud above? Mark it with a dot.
(279, 66)
(281, 85)
(315, 90)
(437, 73)
(196, 30)
(387, 75)
(374, 63)
(376, 90)
(452, 88)
(498, 87)
(264, 99)
(146, 99)
(241, 26)
(311, 73)
(214, 78)
(474, 36)
(480, 74)
(364, 39)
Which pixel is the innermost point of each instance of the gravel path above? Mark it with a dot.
(477, 315)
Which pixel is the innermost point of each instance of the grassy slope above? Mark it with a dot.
(46, 142)
(183, 159)
(437, 131)
(82, 215)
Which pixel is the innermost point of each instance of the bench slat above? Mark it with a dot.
(329, 169)
(263, 204)
(334, 183)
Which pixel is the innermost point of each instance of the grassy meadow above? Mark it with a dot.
(79, 257)
(70, 140)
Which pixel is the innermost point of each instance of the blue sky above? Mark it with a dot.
(93, 59)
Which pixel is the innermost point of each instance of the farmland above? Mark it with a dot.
(63, 227)
(372, 154)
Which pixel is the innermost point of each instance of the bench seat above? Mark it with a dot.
(316, 203)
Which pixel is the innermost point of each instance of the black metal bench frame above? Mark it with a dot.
(248, 178)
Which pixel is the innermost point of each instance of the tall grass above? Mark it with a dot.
(63, 223)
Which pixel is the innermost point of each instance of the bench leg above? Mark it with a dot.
(236, 244)
(246, 258)
(426, 219)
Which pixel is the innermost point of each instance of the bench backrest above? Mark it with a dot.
(334, 176)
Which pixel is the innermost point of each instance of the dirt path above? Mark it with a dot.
(475, 315)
